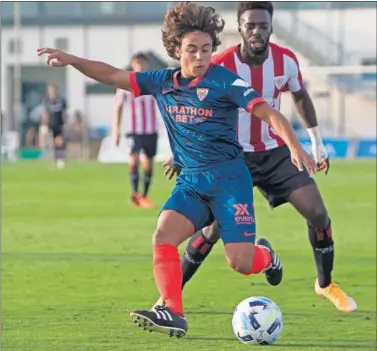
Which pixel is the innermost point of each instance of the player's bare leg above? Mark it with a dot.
(29, 138)
(59, 151)
(134, 179)
(147, 164)
(199, 247)
(308, 201)
(172, 229)
(248, 259)
(245, 258)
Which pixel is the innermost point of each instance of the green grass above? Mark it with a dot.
(76, 259)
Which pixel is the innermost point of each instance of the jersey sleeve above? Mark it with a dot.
(146, 83)
(295, 82)
(217, 59)
(243, 95)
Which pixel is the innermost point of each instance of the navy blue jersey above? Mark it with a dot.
(200, 115)
(56, 109)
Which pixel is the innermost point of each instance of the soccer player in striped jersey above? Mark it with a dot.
(141, 125)
(271, 70)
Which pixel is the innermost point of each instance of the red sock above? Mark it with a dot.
(262, 259)
(168, 275)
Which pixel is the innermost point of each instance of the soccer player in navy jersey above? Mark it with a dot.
(199, 104)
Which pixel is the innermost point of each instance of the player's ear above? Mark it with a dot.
(272, 29)
(178, 52)
(239, 29)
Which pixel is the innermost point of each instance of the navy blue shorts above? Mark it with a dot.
(224, 193)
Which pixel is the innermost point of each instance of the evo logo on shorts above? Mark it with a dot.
(242, 215)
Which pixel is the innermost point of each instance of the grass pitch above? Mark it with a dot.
(76, 258)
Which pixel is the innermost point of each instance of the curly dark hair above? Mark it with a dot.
(243, 6)
(188, 17)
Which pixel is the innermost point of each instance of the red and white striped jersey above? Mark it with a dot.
(280, 72)
(140, 114)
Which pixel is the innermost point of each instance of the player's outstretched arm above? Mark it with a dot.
(99, 71)
(282, 127)
(241, 94)
(118, 113)
(305, 108)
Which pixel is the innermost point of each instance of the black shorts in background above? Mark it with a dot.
(145, 142)
(275, 175)
(56, 130)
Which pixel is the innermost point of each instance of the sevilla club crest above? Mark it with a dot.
(202, 93)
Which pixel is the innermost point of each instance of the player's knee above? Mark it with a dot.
(172, 228)
(133, 164)
(318, 217)
(211, 233)
(59, 141)
(162, 236)
(241, 265)
(148, 166)
(240, 257)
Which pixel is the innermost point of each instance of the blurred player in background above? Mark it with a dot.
(142, 133)
(272, 70)
(55, 117)
(199, 104)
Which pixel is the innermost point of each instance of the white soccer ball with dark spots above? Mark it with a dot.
(257, 320)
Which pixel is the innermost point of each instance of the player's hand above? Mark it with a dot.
(56, 58)
(300, 158)
(324, 165)
(321, 157)
(170, 168)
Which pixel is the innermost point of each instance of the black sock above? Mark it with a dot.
(195, 253)
(147, 182)
(60, 152)
(323, 248)
(134, 178)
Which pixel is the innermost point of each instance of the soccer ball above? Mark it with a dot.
(257, 320)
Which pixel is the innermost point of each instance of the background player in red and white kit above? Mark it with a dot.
(272, 70)
(141, 131)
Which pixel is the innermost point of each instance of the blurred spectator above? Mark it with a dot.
(33, 123)
(75, 127)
